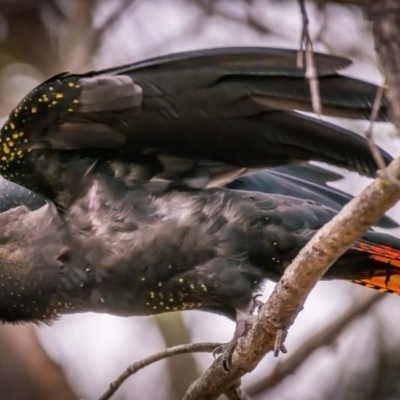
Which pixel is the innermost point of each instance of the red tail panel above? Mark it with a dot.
(381, 250)
(386, 255)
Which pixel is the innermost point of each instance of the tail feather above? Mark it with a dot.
(380, 250)
(382, 284)
(386, 258)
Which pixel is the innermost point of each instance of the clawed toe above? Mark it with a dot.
(218, 351)
(225, 352)
(256, 304)
(244, 319)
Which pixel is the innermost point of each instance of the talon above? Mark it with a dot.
(218, 351)
(227, 354)
(226, 364)
(225, 351)
(256, 304)
(244, 319)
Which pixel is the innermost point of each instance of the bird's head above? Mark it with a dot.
(41, 272)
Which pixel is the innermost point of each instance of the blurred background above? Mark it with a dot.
(342, 346)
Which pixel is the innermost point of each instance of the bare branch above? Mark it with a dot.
(183, 369)
(386, 28)
(97, 35)
(323, 338)
(369, 136)
(172, 351)
(114, 17)
(369, 132)
(385, 15)
(210, 8)
(311, 71)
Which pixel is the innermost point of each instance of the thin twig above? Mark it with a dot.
(172, 351)
(311, 71)
(369, 132)
(382, 172)
(114, 17)
(181, 370)
(322, 338)
(97, 35)
(250, 19)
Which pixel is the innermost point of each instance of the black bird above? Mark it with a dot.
(150, 250)
(197, 119)
(132, 157)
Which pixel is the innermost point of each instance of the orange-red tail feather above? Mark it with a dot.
(390, 282)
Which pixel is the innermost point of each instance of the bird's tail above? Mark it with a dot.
(373, 261)
(386, 258)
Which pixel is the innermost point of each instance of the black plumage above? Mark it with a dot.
(199, 119)
(307, 182)
(134, 157)
(151, 249)
(13, 195)
(304, 182)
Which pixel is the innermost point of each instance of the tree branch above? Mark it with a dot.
(322, 338)
(172, 351)
(385, 16)
(182, 369)
(328, 244)
(369, 134)
(306, 45)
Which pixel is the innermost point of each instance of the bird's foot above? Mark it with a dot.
(255, 304)
(244, 320)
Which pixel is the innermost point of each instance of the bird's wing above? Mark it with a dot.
(305, 182)
(310, 172)
(202, 117)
